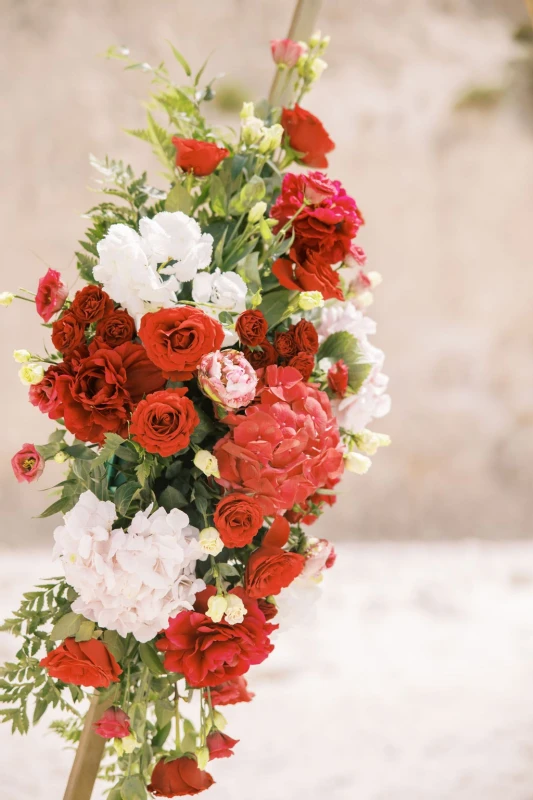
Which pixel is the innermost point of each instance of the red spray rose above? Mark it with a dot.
(236, 689)
(91, 304)
(304, 363)
(316, 275)
(268, 609)
(305, 336)
(338, 378)
(238, 518)
(208, 653)
(200, 158)
(286, 52)
(251, 328)
(271, 569)
(116, 328)
(44, 394)
(220, 745)
(67, 333)
(262, 356)
(82, 663)
(285, 344)
(307, 135)
(28, 464)
(113, 724)
(164, 422)
(176, 339)
(51, 294)
(179, 778)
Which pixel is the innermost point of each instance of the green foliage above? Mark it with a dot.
(343, 345)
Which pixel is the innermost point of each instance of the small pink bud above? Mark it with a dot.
(286, 52)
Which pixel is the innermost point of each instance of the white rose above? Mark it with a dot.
(174, 235)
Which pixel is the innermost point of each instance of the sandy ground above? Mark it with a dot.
(414, 684)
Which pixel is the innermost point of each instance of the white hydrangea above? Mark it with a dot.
(297, 603)
(174, 235)
(355, 411)
(226, 291)
(130, 581)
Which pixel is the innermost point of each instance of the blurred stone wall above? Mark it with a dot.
(447, 197)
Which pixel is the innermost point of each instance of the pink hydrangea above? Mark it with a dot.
(228, 379)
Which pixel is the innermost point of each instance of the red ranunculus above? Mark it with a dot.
(305, 336)
(177, 338)
(44, 394)
(28, 464)
(208, 653)
(220, 745)
(338, 378)
(271, 569)
(304, 363)
(251, 327)
(179, 778)
(67, 333)
(164, 422)
(307, 135)
(285, 344)
(116, 328)
(200, 158)
(234, 690)
(238, 518)
(82, 663)
(261, 356)
(51, 294)
(113, 724)
(91, 304)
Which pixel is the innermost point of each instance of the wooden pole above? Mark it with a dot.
(529, 4)
(302, 26)
(88, 756)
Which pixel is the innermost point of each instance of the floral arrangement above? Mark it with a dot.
(209, 385)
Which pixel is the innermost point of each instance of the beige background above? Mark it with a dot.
(447, 196)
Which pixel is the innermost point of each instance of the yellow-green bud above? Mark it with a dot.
(257, 212)
(316, 68)
(6, 298)
(202, 757)
(31, 374)
(252, 130)
(207, 463)
(357, 463)
(126, 745)
(247, 110)
(315, 38)
(264, 230)
(21, 356)
(216, 607)
(220, 720)
(210, 541)
(252, 192)
(309, 300)
(61, 457)
(271, 139)
(368, 442)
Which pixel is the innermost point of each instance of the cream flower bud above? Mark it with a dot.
(368, 442)
(247, 110)
(365, 299)
(252, 130)
(271, 138)
(202, 757)
(316, 68)
(126, 745)
(310, 300)
(6, 298)
(264, 230)
(257, 212)
(21, 356)
(207, 463)
(375, 278)
(216, 607)
(235, 611)
(357, 463)
(220, 720)
(315, 38)
(210, 541)
(61, 457)
(31, 374)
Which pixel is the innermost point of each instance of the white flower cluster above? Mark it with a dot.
(224, 291)
(132, 265)
(130, 581)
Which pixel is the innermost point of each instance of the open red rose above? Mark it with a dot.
(82, 663)
(91, 304)
(233, 691)
(113, 724)
(305, 336)
(315, 275)
(179, 778)
(67, 333)
(200, 158)
(307, 135)
(208, 653)
(164, 421)
(268, 609)
(44, 394)
(116, 328)
(51, 295)
(27, 464)
(285, 344)
(338, 378)
(251, 327)
(261, 356)
(220, 745)
(271, 569)
(176, 339)
(237, 519)
(304, 363)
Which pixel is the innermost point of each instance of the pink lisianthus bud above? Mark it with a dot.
(319, 556)
(286, 52)
(27, 464)
(227, 378)
(51, 295)
(113, 724)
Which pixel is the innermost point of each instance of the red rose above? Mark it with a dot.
(67, 333)
(116, 328)
(208, 653)
(200, 158)
(307, 135)
(316, 275)
(113, 724)
(28, 464)
(51, 295)
(305, 336)
(44, 394)
(285, 344)
(179, 778)
(251, 328)
(238, 518)
(91, 304)
(232, 691)
(304, 363)
(338, 378)
(164, 421)
(220, 745)
(82, 663)
(271, 569)
(176, 339)
(268, 609)
(261, 356)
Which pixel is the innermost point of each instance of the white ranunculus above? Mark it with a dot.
(128, 276)
(226, 291)
(174, 235)
(130, 581)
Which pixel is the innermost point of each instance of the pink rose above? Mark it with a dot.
(286, 52)
(113, 724)
(27, 464)
(51, 294)
(320, 555)
(227, 378)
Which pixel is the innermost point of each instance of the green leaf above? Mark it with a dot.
(218, 255)
(133, 788)
(274, 305)
(124, 496)
(343, 345)
(40, 707)
(85, 631)
(80, 451)
(163, 733)
(248, 269)
(66, 627)
(63, 504)
(150, 659)
(115, 644)
(171, 498)
(48, 451)
(178, 56)
(217, 196)
(178, 199)
(164, 712)
(57, 436)
(112, 442)
(204, 428)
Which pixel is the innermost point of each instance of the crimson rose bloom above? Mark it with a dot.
(271, 569)
(176, 339)
(305, 336)
(208, 653)
(307, 135)
(262, 356)
(179, 778)
(91, 304)
(44, 394)
(251, 327)
(234, 690)
(338, 378)
(102, 394)
(238, 518)
(285, 344)
(304, 363)
(116, 328)
(200, 158)
(268, 609)
(82, 663)
(220, 745)
(67, 333)
(164, 421)
(113, 724)
(28, 464)
(51, 294)
(315, 276)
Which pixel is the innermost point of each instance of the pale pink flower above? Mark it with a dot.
(320, 555)
(227, 378)
(286, 52)
(27, 464)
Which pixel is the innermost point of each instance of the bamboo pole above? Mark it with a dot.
(88, 756)
(302, 26)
